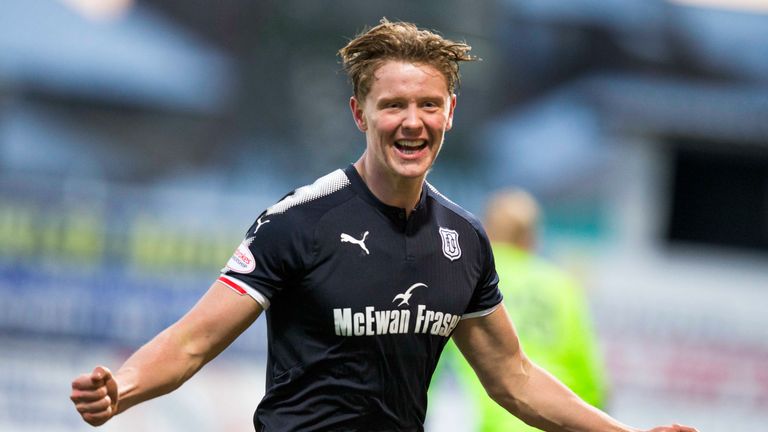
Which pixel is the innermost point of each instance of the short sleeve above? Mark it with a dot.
(487, 296)
(269, 260)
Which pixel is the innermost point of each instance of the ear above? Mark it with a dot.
(358, 114)
(450, 112)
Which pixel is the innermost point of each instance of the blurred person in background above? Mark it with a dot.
(548, 308)
(364, 275)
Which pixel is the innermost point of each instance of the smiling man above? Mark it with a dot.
(364, 275)
(405, 115)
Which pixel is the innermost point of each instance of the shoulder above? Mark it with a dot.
(291, 221)
(285, 232)
(447, 208)
(552, 273)
(324, 192)
(305, 205)
(524, 268)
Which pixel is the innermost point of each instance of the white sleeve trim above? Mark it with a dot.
(481, 313)
(255, 294)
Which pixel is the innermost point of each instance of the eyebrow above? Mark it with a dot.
(387, 100)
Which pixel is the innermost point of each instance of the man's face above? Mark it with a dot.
(404, 116)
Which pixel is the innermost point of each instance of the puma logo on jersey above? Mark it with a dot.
(259, 224)
(346, 238)
(404, 297)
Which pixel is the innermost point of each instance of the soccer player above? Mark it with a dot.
(363, 275)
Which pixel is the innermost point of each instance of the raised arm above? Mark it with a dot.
(168, 360)
(491, 346)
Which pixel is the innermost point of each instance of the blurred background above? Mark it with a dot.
(140, 138)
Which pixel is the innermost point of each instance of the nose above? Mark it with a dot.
(412, 120)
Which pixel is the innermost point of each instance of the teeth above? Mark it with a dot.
(409, 143)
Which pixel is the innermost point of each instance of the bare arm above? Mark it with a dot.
(168, 360)
(490, 344)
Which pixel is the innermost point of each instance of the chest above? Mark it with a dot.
(370, 270)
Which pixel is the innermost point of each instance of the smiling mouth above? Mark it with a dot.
(410, 146)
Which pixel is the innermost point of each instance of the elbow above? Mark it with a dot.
(509, 390)
(185, 352)
(507, 400)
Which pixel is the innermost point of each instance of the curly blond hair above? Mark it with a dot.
(400, 41)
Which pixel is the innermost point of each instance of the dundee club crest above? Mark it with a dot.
(451, 248)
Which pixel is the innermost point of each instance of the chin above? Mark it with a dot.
(412, 172)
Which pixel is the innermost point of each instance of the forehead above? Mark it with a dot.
(396, 77)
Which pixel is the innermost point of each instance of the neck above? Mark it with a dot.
(391, 190)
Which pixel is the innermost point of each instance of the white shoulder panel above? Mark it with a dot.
(323, 186)
(437, 192)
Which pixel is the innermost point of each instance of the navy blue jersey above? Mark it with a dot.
(360, 302)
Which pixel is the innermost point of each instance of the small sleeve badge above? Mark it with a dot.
(242, 260)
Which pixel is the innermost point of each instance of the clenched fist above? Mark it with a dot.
(95, 396)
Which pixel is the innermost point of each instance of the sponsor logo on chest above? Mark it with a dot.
(372, 321)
